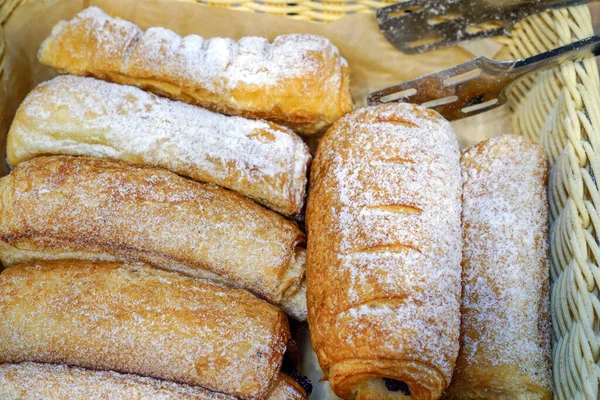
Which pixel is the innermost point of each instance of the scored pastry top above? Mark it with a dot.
(388, 183)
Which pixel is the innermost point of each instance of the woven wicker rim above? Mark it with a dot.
(561, 110)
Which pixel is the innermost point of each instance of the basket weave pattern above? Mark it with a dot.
(561, 109)
(307, 10)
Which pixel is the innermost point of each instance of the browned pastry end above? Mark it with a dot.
(64, 207)
(505, 336)
(287, 389)
(34, 381)
(383, 257)
(79, 116)
(136, 319)
(298, 80)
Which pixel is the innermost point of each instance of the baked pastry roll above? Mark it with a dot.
(298, 80)
(287, 388)
(383, 257)
(136, 319)
(33, 381)
(505, 338)
(84, 116)
(64, 207)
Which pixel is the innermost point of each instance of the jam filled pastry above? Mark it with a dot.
(64, 207)
(298, 80)
(33, 381)
(505, 338)
(140, 320)
(87, 117)
(383, 257)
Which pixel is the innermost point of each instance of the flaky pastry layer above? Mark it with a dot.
(384, 249)
(34, 381)
(87, 208)
(505, 333)
(298, 80)
(88, 117)
(136, 319)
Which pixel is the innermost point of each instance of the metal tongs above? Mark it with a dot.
(416, 26)
(481, 84)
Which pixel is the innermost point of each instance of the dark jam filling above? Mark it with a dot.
(396, 386)
(290, 360)
(302, 381)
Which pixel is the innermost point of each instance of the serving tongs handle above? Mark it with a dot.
(481, 84)
(417, 26)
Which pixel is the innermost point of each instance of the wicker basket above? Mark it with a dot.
(561, 110)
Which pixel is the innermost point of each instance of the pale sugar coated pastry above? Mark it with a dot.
(88, 117)
(384, 250)
(505, 340)
(287, 388)
(298, 80)
(140, 320)
(64, 207)
(35, 381)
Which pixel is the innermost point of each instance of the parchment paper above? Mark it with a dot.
(374, 64)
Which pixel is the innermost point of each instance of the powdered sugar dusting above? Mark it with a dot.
(222, 63)
(137, 319)
(393, 176)
(61, 206)
(505, 277)
(31, 381)
(286, 389)
(84, 116)
(299, 80)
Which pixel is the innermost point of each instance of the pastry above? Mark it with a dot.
(300, 81)
(287, 388)
(505, 338)
(136, 319)
(84, 116)
(64, 207)
(33, 381)
(384, 250)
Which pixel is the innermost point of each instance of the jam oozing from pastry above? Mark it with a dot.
(396, 386)
(290, 360)
(302, 381)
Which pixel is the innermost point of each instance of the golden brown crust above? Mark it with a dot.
(505, 338)
(286, 389)
(383, 257)
(136, 319)
(34, 381)
(299, 80)
(87, 117)
(86, 208)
